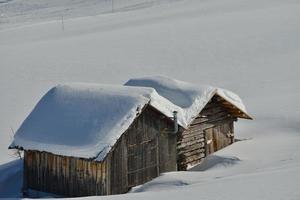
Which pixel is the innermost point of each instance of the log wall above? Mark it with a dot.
(210, 131)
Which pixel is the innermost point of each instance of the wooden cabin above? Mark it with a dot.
(139, 155)
(210, 131)
(154, 141)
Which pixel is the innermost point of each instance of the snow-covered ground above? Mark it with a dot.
(250, 47)
(17, 12)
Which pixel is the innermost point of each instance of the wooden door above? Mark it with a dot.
(218, 137)
(222, 136)
(215, 139)
(209, 141)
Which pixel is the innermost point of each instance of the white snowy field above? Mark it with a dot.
(250, 47)
(18, 12)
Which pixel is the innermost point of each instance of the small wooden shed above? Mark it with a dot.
(83, 140)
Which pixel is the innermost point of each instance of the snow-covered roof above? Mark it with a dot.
(82, 120)
(85, 120)
(188, 98)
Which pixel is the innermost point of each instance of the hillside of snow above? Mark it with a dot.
(249, 47)
(17, 12)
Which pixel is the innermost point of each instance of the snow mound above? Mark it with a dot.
(215, 161)
(164, 182)
(11, 179)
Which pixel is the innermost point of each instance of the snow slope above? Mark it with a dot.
(17, 12)
(251, 47)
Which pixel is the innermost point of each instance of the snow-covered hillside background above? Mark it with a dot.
(251, 47)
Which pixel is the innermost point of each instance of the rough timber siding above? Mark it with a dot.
(141, 153)
(117, 168)
(61, 175)
(210, 131)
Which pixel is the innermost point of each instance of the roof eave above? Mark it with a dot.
(239, 113)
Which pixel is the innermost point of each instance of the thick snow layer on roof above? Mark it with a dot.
(83, 120)
(189, 99)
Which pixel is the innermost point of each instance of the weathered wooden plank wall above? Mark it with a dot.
(117, 168)
(211, 130)
(62, 175)
(150, 151)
